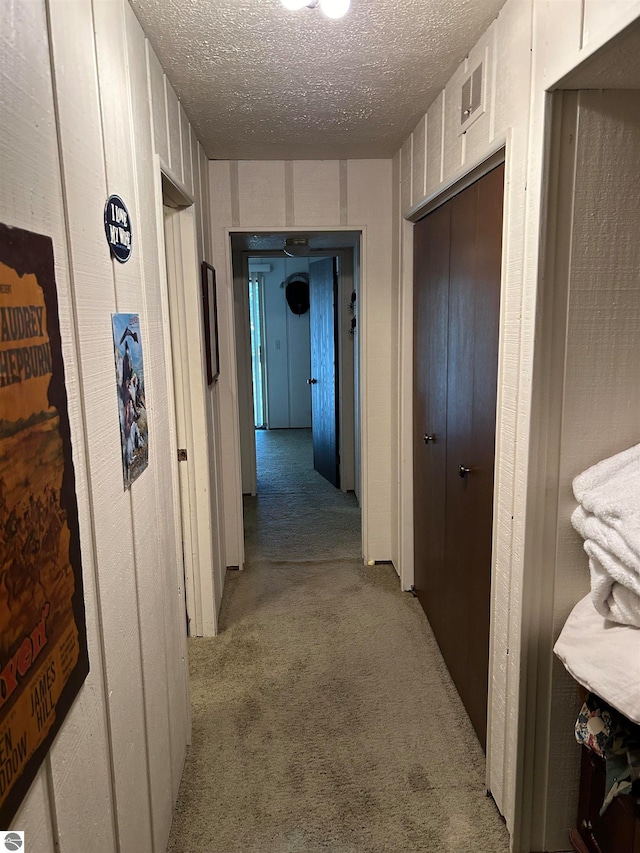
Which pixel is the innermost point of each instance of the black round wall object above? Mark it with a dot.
(117, 227)
(297, 292)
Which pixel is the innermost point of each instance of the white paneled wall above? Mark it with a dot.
(37, 205)
(600, 15)
(275, 194)
(530, 46)
(418, 161)
(159, 105)
(287, 349)
(185, 147)
(85, 108)
(406, 172)
(435, 127)
(261, 193)
(316, 192)
(175, 134)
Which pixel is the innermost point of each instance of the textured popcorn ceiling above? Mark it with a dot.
(260, 82)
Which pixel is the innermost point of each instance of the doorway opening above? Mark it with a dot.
(281, 341)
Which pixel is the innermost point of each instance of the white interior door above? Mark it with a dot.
(202, 573)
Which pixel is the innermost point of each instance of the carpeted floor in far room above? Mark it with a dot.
(324, 718)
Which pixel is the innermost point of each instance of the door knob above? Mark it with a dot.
(462, 471)
(427, 438)
(312, 381)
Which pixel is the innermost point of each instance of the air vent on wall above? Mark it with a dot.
(472, 105)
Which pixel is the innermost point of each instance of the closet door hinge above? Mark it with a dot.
(182, 454)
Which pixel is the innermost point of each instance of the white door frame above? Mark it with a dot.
(183, 315)
(345, 354)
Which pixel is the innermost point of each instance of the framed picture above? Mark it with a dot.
(210, 314)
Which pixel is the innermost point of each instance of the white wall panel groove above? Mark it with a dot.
(206, 204)
(185, 143)
(197, 192)
(175, 134)
(159, 105)
(419, 161)
(406, 177)
(435, 140)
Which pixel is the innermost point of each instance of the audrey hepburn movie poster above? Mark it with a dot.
(43, 644)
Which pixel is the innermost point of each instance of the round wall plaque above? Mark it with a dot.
(117, 227)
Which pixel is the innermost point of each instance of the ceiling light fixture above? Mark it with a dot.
(296, 247)
(331, 8)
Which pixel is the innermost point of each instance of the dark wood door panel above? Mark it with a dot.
(458, 544)
(431, 331)
(456, 324)
(324, 377)
(482, 436)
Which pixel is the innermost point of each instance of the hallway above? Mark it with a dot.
(323, 715)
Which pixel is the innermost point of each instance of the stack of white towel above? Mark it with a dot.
(608, 519)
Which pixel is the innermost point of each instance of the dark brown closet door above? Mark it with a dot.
(455, 375)
(431, 334)
(482, 445)
(459, 544)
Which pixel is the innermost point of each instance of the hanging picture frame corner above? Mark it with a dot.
(210, 320)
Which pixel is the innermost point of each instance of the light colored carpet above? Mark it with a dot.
(297, 515)
(324, 718)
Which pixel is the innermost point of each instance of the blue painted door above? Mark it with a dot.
(324, 368)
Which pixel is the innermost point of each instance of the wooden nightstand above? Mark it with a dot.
(618, 830)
